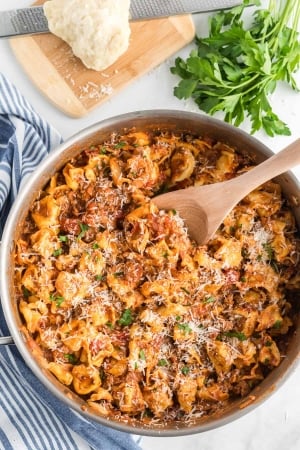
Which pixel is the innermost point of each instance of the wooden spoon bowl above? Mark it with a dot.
(203, 208)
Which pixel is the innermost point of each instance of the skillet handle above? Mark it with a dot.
(6, 340)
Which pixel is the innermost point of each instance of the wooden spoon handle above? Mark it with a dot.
(268, 169)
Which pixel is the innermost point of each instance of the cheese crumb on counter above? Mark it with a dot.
(98, 31)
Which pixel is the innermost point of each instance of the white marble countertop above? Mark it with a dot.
(274, 425)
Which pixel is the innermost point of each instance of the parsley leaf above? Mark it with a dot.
(236, 68)
(126, 318)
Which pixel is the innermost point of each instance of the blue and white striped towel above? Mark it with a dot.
(31, 418)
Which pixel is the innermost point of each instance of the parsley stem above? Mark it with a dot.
(280, 24)
(295, 28)
(232, 88)
(251, 88)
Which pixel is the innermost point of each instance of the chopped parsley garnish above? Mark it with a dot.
(271, 256)
(63, 238)
(185, 370)
(185, 290)
(277, 324)
(26, 292)
(237, 334)
(245, 253)
(102, 374)
(274, 266)
(99, 277)
(106, 171)
(118, 274)
(184, 327)
(57, 252)
(163, 189)
(162, 362)
(71, 358)
(147, 412)
(209, 299)
(126, 318)
(142, 355)
(83, 229)
(269, 250)
(120, 144)
(58, 299)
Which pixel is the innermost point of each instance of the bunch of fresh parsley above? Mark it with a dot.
(236, 67)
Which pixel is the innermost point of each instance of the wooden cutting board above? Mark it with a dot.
(76, 90)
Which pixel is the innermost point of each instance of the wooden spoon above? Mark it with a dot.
(203, 208)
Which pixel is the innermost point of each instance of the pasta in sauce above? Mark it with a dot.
(129, 312)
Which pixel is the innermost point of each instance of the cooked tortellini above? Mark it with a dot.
(128, 312)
